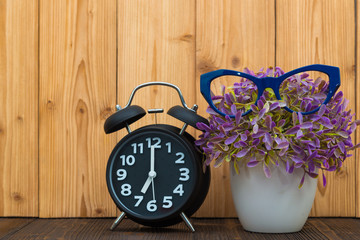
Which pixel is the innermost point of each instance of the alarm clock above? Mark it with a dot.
(155, 174)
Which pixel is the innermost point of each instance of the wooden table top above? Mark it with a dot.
(35, 228)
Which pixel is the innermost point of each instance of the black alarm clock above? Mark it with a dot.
(155, 174)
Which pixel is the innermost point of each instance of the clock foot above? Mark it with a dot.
(187, 222)
(117, 221)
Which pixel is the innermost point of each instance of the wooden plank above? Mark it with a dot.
(234, 35)
(18, 108)
(309, 32)
(337, 228)
(9, 226)
(315, 228)
(156, 42)
(63, 229)
(99, 229)
(77, 93)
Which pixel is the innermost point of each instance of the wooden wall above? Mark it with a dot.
(65, 64)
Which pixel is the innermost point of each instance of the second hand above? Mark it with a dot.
(153, 188)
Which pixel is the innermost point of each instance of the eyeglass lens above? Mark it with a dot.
(306, 91)
(233, 90)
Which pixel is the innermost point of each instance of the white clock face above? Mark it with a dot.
(152, 174)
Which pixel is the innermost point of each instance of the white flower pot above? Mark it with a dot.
(274, 205)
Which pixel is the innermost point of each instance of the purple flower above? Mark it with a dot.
(242, 153)
(253, 163)
(230, 140)
(293, 130)
(267, 170)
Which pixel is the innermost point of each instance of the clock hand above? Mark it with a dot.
(153, 188)
(148, 181)
(146, 185)
(152, 159)
(152, 173)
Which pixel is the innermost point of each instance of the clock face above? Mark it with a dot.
(151, 174)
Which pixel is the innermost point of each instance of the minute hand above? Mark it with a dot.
(152, 159)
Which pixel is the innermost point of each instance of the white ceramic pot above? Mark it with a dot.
(274, 205)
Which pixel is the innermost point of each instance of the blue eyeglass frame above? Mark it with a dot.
(270, 82)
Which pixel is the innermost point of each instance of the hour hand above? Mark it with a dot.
(146, 185)
(152, 175)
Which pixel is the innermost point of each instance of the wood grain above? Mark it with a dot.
(232, 35)
(156, 42)
(309, 32)
(335, 228)
(92, 54)
(77, 93)
(9, 226)
(89, 229)
(18, 108)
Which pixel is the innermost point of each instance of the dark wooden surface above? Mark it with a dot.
(208, 229)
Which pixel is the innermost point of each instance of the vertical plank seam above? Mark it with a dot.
(275, 40)
(195, 60)
(38, 136)
(116, 74)
(356, 100)
(117, 55)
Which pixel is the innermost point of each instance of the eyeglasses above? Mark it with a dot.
(302, 90)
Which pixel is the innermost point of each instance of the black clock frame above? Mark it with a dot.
(201, 182)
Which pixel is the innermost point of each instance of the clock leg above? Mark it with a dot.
(117, 221)
(187, 222)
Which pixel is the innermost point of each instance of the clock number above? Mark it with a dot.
(149, 142)
(134, 148)
(126, 189)
(181, 158)
(167, 202)
(151, 206)
(169, 146)
(157, 143)
(184, 174)
(121, 173)
(139, 199)
(141, 148)
(179, 190)
(129, 160)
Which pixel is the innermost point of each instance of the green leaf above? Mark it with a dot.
(277, 130)
(267, 106)
(267, 159)
(236, 167)
(343, 134)
(233, 94)
(331, 134)
(254, 95)
(302, 181)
